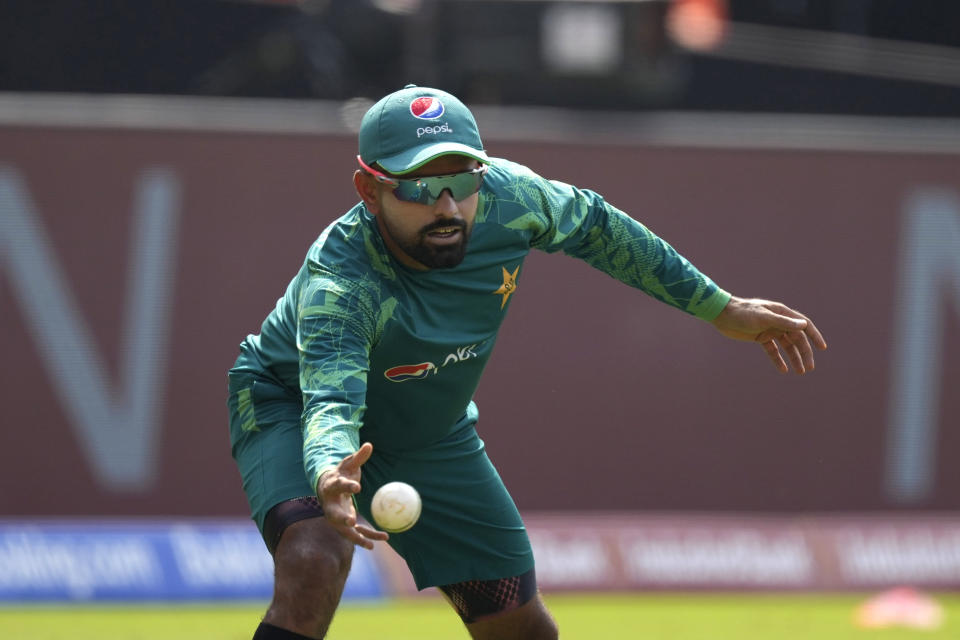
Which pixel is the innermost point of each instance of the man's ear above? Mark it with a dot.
(366, 187)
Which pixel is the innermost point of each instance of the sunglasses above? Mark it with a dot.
(427, 189)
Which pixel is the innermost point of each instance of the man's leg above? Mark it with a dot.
(507, 608)
(531, 621)
(311, 562)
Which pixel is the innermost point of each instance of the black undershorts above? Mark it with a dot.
(473, 600)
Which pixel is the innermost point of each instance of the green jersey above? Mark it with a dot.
(391, 355)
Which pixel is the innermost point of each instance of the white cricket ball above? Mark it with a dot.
(396, 507)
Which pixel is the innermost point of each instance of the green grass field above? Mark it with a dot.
(659, 616)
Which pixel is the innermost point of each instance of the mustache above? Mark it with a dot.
(440, 224)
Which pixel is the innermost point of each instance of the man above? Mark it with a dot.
(370, 359)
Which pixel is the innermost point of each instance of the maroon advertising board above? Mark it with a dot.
(735, 552)
(134, 263)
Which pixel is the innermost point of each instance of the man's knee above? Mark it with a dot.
(311, 550)
(311, 565)
(532, 621)
(303, 544)
(542, 624)
(536, 622)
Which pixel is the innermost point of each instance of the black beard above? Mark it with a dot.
(437, 257)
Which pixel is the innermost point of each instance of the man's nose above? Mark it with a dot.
(446, 206)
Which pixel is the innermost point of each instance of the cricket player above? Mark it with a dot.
(365, 370)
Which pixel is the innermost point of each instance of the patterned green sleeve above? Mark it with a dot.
(581, 224)
(335, 330)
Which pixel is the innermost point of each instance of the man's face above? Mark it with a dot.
(429, 236)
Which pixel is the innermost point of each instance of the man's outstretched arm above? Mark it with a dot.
(780, 330)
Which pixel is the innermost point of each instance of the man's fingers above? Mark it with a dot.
(341, 484)
(802, 323)
(787, 336)
(359, 534)
(814, 334)
(790, 349)
(786, 319)
(372, 533)
(340, 511)
(774, 353)
(354, 536)
(802, 343)
(355, 460)
(363, 453)
(797, 349)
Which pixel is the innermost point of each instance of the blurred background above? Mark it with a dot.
(876, 57)
(165, 165)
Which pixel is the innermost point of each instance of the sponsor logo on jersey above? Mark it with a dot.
(461, 354)
(426, 108)
(410, 372)
(420, 371)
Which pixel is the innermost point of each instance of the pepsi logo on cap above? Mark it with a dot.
(426, 108)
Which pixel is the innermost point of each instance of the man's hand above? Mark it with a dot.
(336, 487)
(778, 328)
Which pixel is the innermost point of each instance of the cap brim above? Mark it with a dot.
(413, 159)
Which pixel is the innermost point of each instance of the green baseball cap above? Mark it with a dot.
(412, 126)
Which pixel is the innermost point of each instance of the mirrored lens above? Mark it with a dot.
(426, 190)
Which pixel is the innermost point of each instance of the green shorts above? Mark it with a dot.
(469, 528)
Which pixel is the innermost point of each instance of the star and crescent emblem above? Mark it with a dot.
(509, 285)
